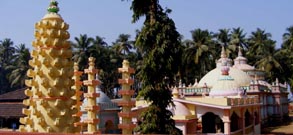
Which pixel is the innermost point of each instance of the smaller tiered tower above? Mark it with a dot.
(92, 108)
(127, 126)
(78, 93)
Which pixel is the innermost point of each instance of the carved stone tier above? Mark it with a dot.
(126, 92)
(126, 103)
(127, 81)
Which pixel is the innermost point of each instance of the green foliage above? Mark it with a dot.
(159, 43)
(13, 65)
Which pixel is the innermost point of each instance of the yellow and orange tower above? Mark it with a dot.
(50, 95)
(77, 87)
(92, 108)
(127, 126)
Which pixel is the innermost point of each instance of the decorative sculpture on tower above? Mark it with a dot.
(92, 108)
(127, 126)
(50, 95)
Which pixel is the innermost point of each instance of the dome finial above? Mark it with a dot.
(53, 8)
(239, 51)
(223, 52)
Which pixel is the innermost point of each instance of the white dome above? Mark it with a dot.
(240, 77)
(225, 86)
(180, 110)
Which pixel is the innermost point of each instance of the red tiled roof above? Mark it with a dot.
(10, 109)
(14, 95)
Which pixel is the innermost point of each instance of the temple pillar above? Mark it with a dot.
(227, 122)
(92, 108)
(127, 126)
(243, 120)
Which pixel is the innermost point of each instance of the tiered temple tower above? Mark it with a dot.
(92, 108)
(127, 126)
(78, 93)
(50, 94)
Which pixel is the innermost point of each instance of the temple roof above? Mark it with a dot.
(17, 95)
(240, 77)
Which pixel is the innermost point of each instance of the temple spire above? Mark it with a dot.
(239, 51)
(53, 7)
(223, 53)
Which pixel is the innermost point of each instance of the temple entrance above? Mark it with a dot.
(212, 123)
(109, 127)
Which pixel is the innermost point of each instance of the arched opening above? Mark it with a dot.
(248, 118)
(234, 122)
(109, 127)
(212, 123)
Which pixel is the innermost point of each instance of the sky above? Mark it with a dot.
(109, 18)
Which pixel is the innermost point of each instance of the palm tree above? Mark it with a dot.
(223, 38)
(99, 51)
(123, 45)
(285, 56)
(288, 38)
(6, 52)
(238, 38)
(263, 53)
(200, 50)
(81, 50)
(258, 40)
(20, 67)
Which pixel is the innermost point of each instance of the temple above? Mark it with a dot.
(234, 98)
(230, 99)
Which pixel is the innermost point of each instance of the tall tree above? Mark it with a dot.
(200, 51)
(288, 38)
(263, 53)
(238, 38)
(258, 42)
(6, 52)
(223, 38)
(18, 69)
(123, 45)
(285, 56)
(159, 42)
(81, 50)
(99, 50)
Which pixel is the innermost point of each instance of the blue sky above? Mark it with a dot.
(109, 18)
